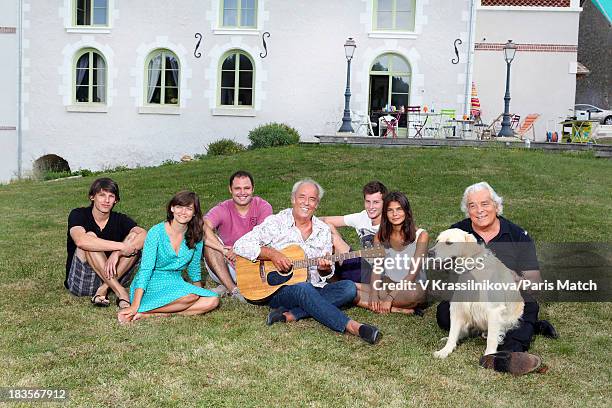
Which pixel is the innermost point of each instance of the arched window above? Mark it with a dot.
(90, 77)
(90, 12)
(389, 82)
(236, 79)
(162, 78)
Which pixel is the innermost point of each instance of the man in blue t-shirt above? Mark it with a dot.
(101, 247)
(514, 248)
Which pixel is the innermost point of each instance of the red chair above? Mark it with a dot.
(417, 123)
(390, 123)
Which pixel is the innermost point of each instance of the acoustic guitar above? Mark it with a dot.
(260, 279)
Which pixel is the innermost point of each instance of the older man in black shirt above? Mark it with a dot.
(515, 248)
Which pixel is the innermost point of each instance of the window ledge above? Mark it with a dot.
(87, 108)
(248, 112)
(88, 30)
(236, 31)
(160, 110)
(393, 34)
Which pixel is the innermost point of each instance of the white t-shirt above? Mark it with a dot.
(363, 226)
(397, 272)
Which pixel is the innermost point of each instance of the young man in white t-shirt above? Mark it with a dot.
(366, 224)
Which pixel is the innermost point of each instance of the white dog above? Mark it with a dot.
(494, 316)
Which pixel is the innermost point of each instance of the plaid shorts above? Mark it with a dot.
(84, 281)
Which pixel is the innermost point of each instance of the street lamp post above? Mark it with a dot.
(349, 49)
(509, 51)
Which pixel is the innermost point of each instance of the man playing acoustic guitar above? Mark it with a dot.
(315, 298)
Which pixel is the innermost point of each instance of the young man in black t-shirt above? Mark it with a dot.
(101, 247)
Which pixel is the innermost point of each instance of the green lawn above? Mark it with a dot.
(230, 357)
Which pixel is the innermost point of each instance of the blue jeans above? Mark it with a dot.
(304, 300)
(357, 270)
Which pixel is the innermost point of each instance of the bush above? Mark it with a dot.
(273, 134)
(225, 147)
(169, 162)
(54, 175)
(83, 172)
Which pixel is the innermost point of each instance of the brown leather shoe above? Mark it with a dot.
(516, 363)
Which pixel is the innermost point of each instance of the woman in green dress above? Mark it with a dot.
(170, 247)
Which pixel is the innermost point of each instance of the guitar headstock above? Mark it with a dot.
(377, 251)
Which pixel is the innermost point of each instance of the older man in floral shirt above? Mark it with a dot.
(315, 298)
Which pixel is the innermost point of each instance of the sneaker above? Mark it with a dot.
(369, 333)
(276, 316)
(220, 290)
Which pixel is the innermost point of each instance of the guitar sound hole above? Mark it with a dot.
(275, 279)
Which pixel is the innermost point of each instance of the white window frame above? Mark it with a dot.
(72, 27)
(219, 29)
(393, 29)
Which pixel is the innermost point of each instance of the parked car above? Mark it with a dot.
(602, 115)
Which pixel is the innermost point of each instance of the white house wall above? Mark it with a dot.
(300, 82)
(9, 74)
(543, 73)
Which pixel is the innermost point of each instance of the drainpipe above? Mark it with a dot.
(19, 92)
(470, 58)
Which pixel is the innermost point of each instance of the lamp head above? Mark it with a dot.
(349, 48)
(509, 51)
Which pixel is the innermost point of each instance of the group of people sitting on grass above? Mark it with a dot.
(105, 248)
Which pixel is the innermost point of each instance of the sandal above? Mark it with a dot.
(95, 300)
(119, 300)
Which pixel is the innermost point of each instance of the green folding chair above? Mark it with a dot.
(447, 117)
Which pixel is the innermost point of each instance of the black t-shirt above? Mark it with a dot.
(512, 245)
(116, 229)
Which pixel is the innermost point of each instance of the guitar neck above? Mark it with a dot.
(305, 263)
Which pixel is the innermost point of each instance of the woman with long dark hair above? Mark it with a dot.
(394, 284)
(171, 246)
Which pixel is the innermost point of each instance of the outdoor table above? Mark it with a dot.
(424, 129)
(465, 126)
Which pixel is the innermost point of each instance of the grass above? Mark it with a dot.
(230, 358)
